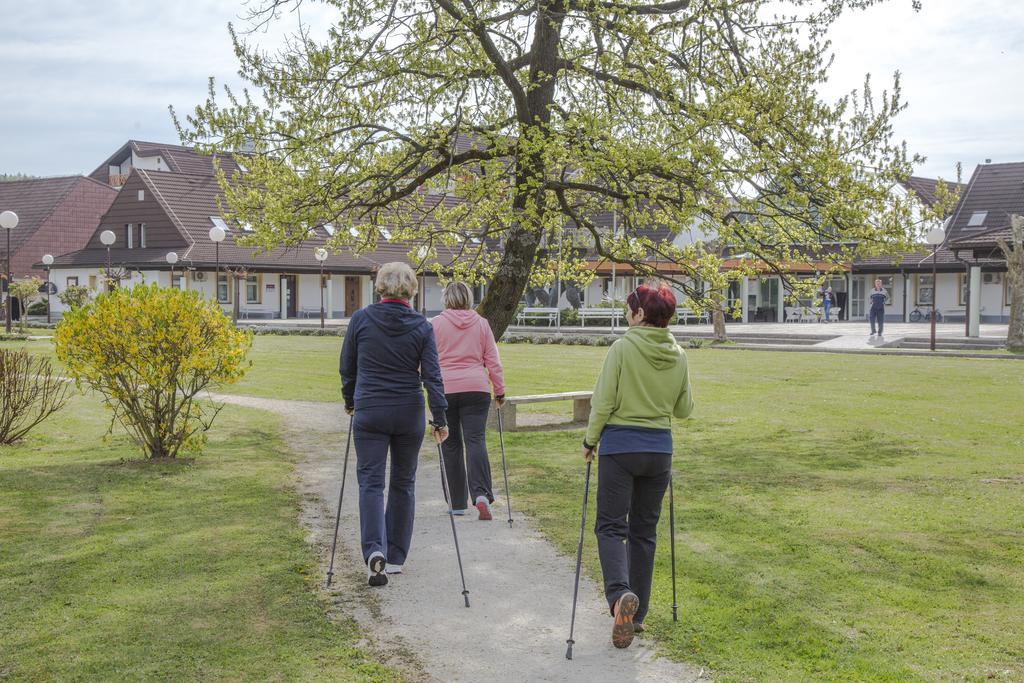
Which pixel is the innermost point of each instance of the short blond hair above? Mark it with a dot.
(457, 295)
(396, 280)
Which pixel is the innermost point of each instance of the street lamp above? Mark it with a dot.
(172, 258)
(8, 221)
(217, 235)
(47, 261)
(321, 256)
(935, 237)
(107, 237)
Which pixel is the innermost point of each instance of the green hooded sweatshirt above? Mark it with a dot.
(644, 383)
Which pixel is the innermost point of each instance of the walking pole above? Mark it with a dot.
(672, 537)
(504, 467)
(451, 518)
(341, 496)
(579, 559)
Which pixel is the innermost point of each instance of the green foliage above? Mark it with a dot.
(152, 354)
(75, 296)
(36, 308)
(540, 116)
(25, 291)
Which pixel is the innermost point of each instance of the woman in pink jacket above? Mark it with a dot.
(470, 368)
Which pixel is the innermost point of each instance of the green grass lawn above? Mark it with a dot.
(113, 570)
(839, 517)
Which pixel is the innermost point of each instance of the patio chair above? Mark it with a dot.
(792, 314)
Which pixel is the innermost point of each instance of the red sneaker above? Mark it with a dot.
(485, 511)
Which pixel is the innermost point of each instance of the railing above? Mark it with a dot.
(118, 180)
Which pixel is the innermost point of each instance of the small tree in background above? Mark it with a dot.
(25, 291)
(30, 392)
(152, 353)
(75, 296)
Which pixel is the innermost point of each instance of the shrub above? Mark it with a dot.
(29, 393)
(37, 308)
(152, 354)
(696, 343)
(75, 296)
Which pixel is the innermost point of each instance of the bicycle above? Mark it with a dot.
(917, 315)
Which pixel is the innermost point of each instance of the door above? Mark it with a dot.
(353, 295)
(289, 297)
(857, 297)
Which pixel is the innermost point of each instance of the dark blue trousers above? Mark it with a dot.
(398, 429)
(876, 316)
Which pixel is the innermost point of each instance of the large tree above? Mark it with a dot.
(1013, 249)
(545, 114)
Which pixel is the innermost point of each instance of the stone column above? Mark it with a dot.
(974, 325)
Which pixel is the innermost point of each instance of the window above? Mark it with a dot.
(252, 289)
(178, 280)
(142, 235)
(219, 223)
(246, 226)
(925, 290)
(142, 195)
(72, 281)
(329, 229)
(354, 231)
(977, 219)
(386, 234)
(92, 282)
(961, 290)
(223, 288)
(1006, 292)
(128, 235)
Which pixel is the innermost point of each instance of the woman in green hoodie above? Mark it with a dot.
(643, 384)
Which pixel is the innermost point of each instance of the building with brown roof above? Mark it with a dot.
(159, 156)
(55, 216)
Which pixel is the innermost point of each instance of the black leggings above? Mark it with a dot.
(467, 422)
(630, 488)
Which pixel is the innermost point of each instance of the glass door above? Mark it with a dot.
(857, 297)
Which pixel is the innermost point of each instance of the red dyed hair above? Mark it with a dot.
(658, 302)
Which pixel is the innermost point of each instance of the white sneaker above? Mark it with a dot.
(392, 568)
(375, 566)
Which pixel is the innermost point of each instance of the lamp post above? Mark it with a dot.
(47, 261)
(935, 237)
(107, 237)
(8, 221)
(217, 235)
(172, 258)
(321, 256)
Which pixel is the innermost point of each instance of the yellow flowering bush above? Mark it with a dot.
(152, 354)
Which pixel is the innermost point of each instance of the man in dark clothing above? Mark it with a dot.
(388, 357)
(876, 314)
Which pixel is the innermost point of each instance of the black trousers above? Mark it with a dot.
(876, 316)
(465, 449)
(630, 488)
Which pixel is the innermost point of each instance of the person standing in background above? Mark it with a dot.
(471, 368)
(827, 299)
(876, 314)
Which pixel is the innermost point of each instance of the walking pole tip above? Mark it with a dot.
(330, 577)
(465, 594)
(568, 650)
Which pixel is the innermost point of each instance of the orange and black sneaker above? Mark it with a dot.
(625, 609)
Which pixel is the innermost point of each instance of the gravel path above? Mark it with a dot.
(520, 586)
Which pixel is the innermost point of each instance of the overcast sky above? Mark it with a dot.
(78, 79)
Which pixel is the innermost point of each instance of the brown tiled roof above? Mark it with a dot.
(909, 261)
(190, 200)
(924, 188)
(997, 190)
(33, 200)
(985, 238)
(179, 158)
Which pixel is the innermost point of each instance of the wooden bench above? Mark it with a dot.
(612, 315)
(580, 407)
(529, 313)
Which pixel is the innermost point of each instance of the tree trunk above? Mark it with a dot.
(1014, 253)
(509, 281)
(718, 317)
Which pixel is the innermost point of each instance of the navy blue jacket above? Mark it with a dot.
(388, 355)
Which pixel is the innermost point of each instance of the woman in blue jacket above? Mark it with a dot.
(387, 358)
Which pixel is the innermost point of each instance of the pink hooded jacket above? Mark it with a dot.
(468, 354)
